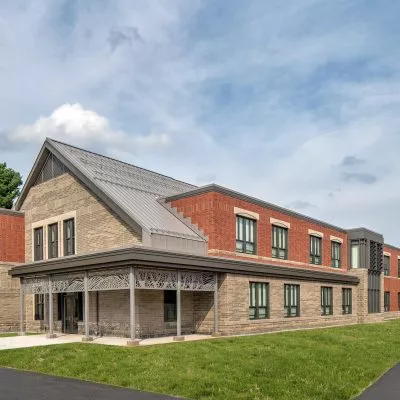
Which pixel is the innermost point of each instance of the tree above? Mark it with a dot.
(10, 182)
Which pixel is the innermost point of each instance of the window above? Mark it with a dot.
(258, 300)
(386, 301)
(60, 306)
(69, 237)
(315, 249)
(279, 242)
(38, 244)
(79, 306)
(346, 301)
(386, 265)
(398, 267)
(326, 301)
(52, 240)
(245, 234)
(374, 291)
(292, 300)
(355, 254)
(169, 305)
(336, 254)
(39, 307)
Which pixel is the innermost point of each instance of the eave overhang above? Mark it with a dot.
(145, 256)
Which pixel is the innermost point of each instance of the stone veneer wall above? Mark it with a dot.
(9, 299)
(97, 227)
(233, 310)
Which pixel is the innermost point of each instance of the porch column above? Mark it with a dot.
(87, 337)
(21, 308)
(132, 311)
(178, 310)
(51, 334)
(216, 305)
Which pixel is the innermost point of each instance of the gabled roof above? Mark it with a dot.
(130, 191)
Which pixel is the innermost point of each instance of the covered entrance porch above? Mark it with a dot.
(131, 301)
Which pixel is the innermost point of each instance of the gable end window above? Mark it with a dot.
(258, 300)
(52, 240)
(279, 242)
(292, 300)
(69, 237)
(315, 250)
(336, 254)
(245, 235)
(38, 244)
(346, 301)
(326, 301)
(386, 265)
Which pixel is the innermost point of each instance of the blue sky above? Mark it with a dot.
(295, 102)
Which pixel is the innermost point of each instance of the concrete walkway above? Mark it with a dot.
(386, 388)
(17, 385)
(16, 342)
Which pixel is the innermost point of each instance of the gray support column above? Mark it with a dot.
(87, 337)
(132, 311)
(178, 310)
(21, 308)
(50, 334)
(216, 305)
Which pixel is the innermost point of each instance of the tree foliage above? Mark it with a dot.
(10, 183)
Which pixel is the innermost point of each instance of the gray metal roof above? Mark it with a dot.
(135, 190)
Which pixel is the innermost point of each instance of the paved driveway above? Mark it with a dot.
(19, 385)
(386, 388)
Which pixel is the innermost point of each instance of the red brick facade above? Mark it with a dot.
(392, 282)
(12, 236)
(213, 212)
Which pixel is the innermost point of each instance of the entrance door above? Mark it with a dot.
(70, 317)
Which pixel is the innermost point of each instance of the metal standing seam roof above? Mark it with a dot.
(133, 189)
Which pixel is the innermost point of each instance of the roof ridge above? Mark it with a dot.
(119, 161)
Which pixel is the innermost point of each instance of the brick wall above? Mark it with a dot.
(392, 282)
(12, 234)
(214, 214)
(97, 227)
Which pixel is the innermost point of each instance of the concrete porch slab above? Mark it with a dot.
(17, 342)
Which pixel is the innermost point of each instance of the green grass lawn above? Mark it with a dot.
(330, 364)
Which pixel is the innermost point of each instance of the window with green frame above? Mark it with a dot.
(386, 301)
(279, 242)
(336, 254)
(315, 249)
(346, 301)
(292, 300)
(386, 265)
(326, 300)
(245, 235)
(258, 300)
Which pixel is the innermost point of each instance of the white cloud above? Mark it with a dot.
(74, 124)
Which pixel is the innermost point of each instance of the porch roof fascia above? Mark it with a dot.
(145, 256)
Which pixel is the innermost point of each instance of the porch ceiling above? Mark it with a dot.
(144, 256)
